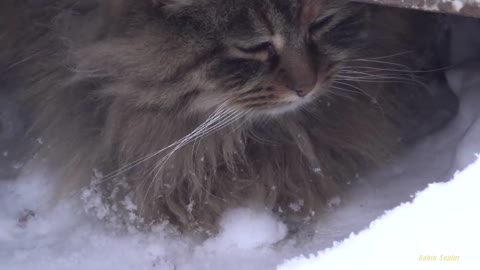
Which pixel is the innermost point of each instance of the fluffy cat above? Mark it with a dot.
(200, 106)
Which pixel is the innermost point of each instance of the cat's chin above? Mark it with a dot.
(291, 104)
(285, 107)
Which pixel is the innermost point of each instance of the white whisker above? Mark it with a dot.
(357, 88)
(230, 116)
(378, 62)
(139, 161)
(387, 56)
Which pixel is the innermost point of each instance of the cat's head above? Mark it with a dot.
(267, 56)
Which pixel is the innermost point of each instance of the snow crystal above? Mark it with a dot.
(297, 206)
(334, 202)
(248, 229)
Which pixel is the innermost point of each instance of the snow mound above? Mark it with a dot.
(438, 230)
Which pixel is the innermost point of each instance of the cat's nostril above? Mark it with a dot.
(303, 91)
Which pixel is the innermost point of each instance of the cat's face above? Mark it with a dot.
(266, 56)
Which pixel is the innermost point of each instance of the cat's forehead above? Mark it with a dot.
(228, 11)
(253, 18)
(288, 11)
(297, 13)
(250, 20)
(303, 11)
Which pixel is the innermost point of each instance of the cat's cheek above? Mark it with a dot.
(206, 103)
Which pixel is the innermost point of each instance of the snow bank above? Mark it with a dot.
(438, 230)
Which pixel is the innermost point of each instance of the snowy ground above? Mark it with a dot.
(438, 230)
(441, 221)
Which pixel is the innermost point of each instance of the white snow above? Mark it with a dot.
(457, 5)
(355, 233)
(438, 230)
(247, 229)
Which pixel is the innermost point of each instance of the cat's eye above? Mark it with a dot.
(263, 48)
(321, 24)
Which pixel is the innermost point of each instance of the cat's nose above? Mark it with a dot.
(302, 91)
(298, 73)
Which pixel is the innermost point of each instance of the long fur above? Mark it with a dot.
(136, 90)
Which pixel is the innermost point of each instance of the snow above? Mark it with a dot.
(384, 222)
(457, 5)
(264, 231)
(441, 232)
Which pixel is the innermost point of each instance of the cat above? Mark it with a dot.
(199, 106)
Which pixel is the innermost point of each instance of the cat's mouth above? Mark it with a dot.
(278, 98)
